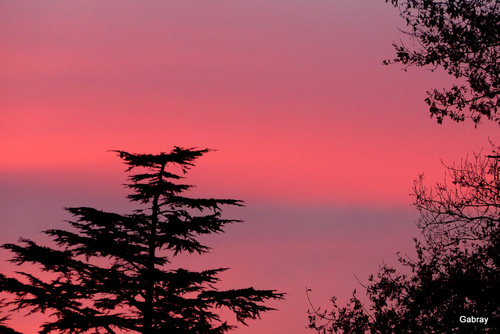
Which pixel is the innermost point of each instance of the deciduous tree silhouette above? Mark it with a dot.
(463, 37)
(113, 273)
(457, 269)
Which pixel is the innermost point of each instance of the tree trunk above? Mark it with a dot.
(150, 282)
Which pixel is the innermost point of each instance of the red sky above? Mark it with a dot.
(320, 139)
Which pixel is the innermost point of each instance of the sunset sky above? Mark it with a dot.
(319, 139)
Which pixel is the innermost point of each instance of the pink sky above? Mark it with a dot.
(320, 140)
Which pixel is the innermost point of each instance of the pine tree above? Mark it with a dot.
(114, 273)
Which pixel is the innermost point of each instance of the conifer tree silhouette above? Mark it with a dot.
(113, 273)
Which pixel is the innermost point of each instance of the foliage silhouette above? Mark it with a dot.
(462, 37)
(112, 273)
(457, 269)
(4, 329)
